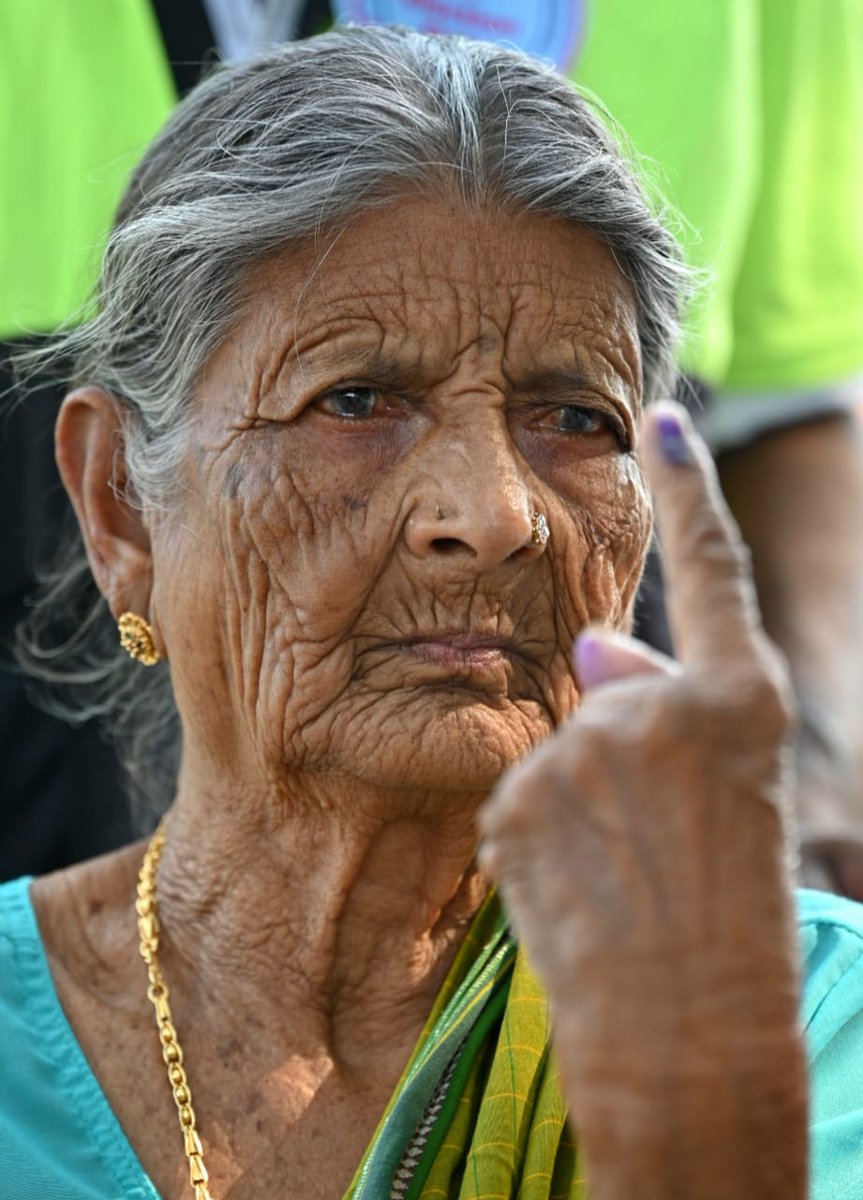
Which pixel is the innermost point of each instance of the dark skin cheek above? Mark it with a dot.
(293, 581)
(609, 511)
(629, 552)
(586, 588)
(612, 569)
(596, 563)
(330, 461)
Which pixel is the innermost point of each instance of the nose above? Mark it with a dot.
(474, 503)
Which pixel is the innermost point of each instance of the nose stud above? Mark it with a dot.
(539, 530)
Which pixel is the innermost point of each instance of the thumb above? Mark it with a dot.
(602, 656)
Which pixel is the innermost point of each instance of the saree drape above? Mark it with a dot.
(479, 1112)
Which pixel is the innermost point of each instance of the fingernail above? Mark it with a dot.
(588, 658)
(676, 446)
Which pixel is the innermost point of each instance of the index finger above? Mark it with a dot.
(712, 605)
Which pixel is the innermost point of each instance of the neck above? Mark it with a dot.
(328, 908)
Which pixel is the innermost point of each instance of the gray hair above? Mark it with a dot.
(285, 147)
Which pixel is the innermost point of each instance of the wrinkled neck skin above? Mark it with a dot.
(328, 908)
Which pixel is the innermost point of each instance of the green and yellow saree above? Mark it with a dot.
(479, 1112)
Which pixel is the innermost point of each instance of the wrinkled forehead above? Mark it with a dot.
(431, 283)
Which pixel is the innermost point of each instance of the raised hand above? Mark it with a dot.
(642, 853)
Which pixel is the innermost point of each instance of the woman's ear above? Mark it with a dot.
(90, 455)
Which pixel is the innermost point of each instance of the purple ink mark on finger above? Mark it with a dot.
(675, 443)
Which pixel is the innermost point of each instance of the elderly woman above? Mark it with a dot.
(352, 450)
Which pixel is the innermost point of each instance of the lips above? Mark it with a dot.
(459, 641)
(458, 650)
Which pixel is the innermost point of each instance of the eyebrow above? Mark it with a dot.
(369, 363)
(556, 382)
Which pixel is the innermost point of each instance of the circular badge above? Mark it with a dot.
(549, 29)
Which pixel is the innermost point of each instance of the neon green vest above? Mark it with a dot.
(753, 110)
(84, 85)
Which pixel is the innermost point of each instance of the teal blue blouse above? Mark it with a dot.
(59, 1139)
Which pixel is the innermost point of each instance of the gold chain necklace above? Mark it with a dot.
(148, 931)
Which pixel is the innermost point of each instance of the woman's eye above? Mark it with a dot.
(573, 418)
(351, 403)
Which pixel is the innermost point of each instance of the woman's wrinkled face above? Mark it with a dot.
(350, 584)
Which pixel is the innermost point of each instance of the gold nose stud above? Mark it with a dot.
(539, 530)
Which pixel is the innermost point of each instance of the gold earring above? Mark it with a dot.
(539, 530)
(136, 638)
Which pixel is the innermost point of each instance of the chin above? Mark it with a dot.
(456, 747)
